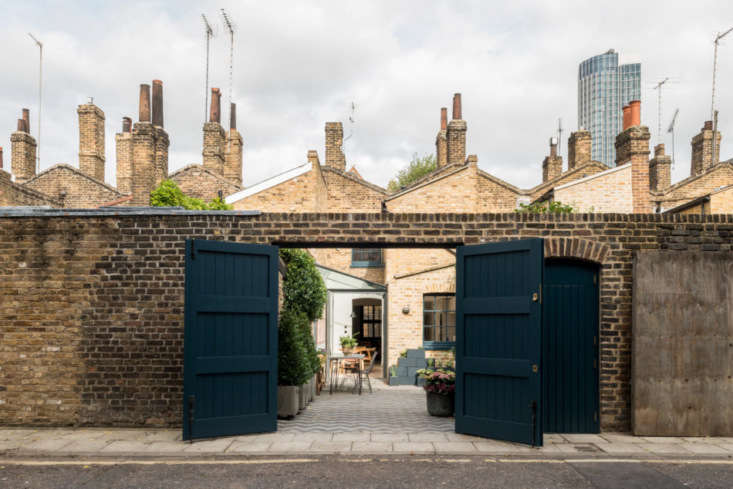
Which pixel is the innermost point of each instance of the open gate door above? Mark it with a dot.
(230, 339)
(498, 340)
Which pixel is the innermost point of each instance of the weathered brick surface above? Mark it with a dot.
(23, 156)
(91, 140)
(72, 187)
(720, 175)
(340, 259)
(607, 192)
(108, 291)
(702, 156)
(200, 182)
(12, 193)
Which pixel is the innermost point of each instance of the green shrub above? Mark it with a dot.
(169, 194)
(303, 286)
(309, 344)
(293, 365)
(545, 208)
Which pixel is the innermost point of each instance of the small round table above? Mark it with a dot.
(335, 361)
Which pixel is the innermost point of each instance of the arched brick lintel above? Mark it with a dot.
(582, 249)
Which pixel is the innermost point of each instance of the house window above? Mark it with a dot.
(366, 257)
(439, 321)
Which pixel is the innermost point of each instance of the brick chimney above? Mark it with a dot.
(660, 170)
(143, 152)
(335, 157)
(633, 145)
(91, 141)
(162, 141)
(702, 149)
(441, 140)
(579, 144)
(552, 164)
(123, 149)
(233, 153)
(23, 151)
(214, 137)
(1, 157)
(456, 134)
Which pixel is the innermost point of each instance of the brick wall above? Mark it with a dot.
(72, 188)
(340, 259)
(199, 182)
(23, 156)
(608, 192)
(91, 141)
(107, 290)
(720, 175)
(348, 193)
(14, 194)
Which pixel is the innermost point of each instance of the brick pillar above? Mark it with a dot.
(123, 148)
(143, 152)
(552, 164)
(335, 157)
(214, 136)
(162, 142)
(456, 134)
(660, 170)
(23, 151)
(441, 140)
(579, 144)
(91, 141)
(633, 145)
(702, 149)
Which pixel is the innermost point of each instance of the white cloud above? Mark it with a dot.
(299, 64)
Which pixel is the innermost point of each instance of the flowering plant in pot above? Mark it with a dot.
(440, 386)
(347, 344)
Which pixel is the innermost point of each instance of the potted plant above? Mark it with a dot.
(347, 344)
(293, 369)
(440, 386)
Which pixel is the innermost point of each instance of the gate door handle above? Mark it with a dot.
(535, 368)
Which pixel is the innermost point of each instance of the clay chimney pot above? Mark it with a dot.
(708, 126)
(158, 103)
(443, 118)
(144, 115)
(457, 112)
(215, 109)
(635, 112)
(232, 116)
(626, 117)
(126, 124)
(27, 120)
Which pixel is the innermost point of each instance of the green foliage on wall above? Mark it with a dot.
(303, 287)
(545, 208)
(418, 168)
(169, 194)
(293, 366)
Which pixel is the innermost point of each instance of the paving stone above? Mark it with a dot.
(219, 445)
(88, 445)
(621, 448)
(352, 436)
(662, 439)
(313, 437)
(269, 437)
(46, 444)
(428, 436)
(15, 434)
(501, 448)
(331, 446)
(559, 448)
(389, 437)
(458, 447)
(584, 438)
(290, 446)
(665, 448)
(9, 445)
(375, 447)
(704, 448)
(413, 447)
(726, 446)
(120, 446)
(554, 438)
(462, 437)
(621, 438)
(167, 446)
(257, 446)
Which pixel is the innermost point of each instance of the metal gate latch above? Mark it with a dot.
(534, 296)
(535, 369)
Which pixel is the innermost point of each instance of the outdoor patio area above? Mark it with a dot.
(388, 409)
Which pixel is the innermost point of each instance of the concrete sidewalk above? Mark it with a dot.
(92, 442)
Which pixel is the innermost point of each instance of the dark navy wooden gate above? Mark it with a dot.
(498, 340)
(570, 347)
(230, 342)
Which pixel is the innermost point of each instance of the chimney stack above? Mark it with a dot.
(23, 151)
(552, 164)
(233, 153)
(702, 149)
(335, 157)
(91, 141)
(1, 157)
(126, 124)
(456, 134)
(660, 175)
(215, 108)
(626, 117)
(144, 115)
(158, 103)
(579, 146)
(633, 145)
(441, 140)
(123, 150)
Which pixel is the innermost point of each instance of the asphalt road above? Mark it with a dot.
(382, 473)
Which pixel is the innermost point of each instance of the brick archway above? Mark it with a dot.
(582, 249)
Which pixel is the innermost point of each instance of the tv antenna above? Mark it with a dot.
(670, 129)
(658, 87)
(40, 99)
(230, 27)
(715, 67)
(559, 136)
(351, 123)
(209, 35)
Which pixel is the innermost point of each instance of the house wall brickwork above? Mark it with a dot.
(72, 188)
(608, 192)
(702, 156)
(12, 194)
(720, 175)
(199, 182)
(340, 259)
(348, 193)
(108, 291)
(721, 202)
(579, 149)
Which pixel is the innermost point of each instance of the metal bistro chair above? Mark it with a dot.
(369, 371)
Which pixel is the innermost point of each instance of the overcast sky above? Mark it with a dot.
(300, 64)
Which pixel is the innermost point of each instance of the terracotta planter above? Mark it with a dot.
(347, 349)
(440, 404)
(287, 401)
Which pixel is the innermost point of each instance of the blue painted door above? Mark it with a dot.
(570, 347)
(498, 340)
(230, 342)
